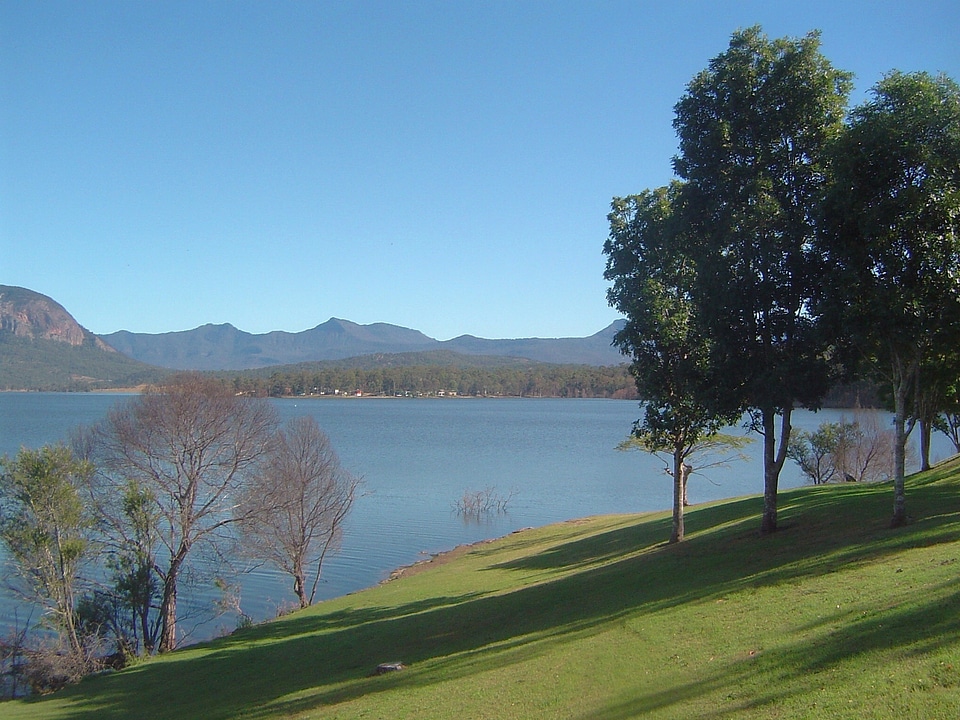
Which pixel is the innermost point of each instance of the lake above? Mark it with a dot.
(418, 456)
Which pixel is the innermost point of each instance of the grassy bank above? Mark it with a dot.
(835, 616)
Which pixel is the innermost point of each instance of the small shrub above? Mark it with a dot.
(41, 667)
(475, 504)
(858, 450)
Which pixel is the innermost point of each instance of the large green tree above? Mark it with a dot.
(653, 280)
(753, 128)
(892, 239)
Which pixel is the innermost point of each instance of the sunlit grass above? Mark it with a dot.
(834, 616)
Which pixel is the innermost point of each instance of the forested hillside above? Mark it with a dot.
(27, 364)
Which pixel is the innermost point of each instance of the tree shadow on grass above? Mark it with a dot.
(314, 621)
(315, 660)
(593, 549)
(798, 670)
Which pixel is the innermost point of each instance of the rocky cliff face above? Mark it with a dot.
(28, 314)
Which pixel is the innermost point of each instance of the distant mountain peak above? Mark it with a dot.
(223, 347)
(28, 314)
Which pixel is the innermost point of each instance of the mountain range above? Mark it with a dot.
(224, 347)
(43, 346)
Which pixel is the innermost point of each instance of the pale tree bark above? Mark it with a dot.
(902, 376)
(679, 487)
(168, 602)
(774, 455)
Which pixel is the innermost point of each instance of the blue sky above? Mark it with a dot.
(445, 166)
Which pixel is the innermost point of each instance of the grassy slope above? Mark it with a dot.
(836, 616)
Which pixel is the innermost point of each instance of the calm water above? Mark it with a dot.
(417, 457)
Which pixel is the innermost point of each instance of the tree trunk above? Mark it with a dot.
(925, 432)
(143, 613)
(299, 587)
(70, 620)
(679, 480)
(168, 613)
(64, 597)
(899, 452)
(168, 604)
(773, 459)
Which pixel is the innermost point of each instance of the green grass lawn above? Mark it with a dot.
(834, 616)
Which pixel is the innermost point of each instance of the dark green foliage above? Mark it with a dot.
(892, 247)
(753, 128)
(892, 216)
(46, 530)
(131, 605)
(654, 280)
(653, 284)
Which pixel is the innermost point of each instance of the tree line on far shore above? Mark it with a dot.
(519, 379)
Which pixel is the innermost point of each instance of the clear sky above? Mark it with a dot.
(445, 166)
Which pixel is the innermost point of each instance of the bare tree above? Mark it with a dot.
(189, 448)
(853, 451)
(293, 512)
(475, 504)
(866, 452)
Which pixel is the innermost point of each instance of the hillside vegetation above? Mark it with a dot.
(42, 347)
(833, 616)
(42, 364)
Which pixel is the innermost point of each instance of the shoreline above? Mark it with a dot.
(139, 389)
(443, 557)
